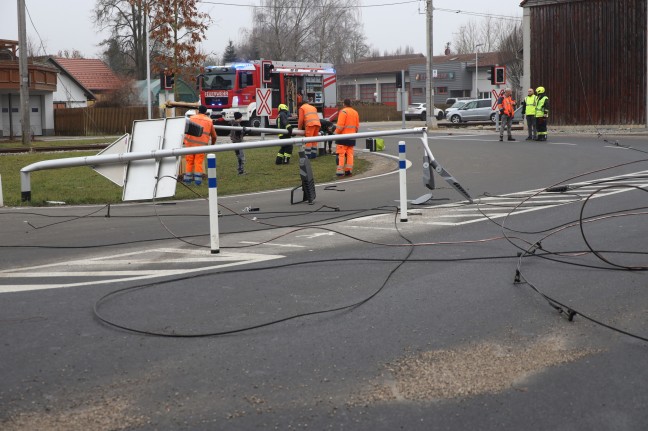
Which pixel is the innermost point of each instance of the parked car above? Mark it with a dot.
(473, 110)
(458, 104)
(453, 100)
(479, 110)
(419, 111)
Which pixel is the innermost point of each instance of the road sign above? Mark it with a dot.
(264, 101)
(496, 96)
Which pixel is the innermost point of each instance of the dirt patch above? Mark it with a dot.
(107, 414)
(467, 371)
(379, 164)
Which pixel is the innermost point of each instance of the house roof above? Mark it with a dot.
(52, 61)
(396, 63)
(91, 73)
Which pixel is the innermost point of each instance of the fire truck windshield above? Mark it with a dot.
(219, 81)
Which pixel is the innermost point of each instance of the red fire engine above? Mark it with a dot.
(232, 88)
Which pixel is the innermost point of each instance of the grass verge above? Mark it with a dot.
(82, 185)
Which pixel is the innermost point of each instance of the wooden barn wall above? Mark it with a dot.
(591, 57)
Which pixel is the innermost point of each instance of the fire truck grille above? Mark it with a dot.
(216, 101)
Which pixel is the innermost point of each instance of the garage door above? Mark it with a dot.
(11, 115)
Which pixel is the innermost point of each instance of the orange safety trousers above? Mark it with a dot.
(312, 131)
(195, 162)
(345, 158)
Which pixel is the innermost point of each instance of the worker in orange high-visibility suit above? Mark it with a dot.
(309, 122)
(348, 122)
(195, 169)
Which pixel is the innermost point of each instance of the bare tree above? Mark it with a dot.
(180, 28)
(488, 33)
(306, 30)
(510, 49)
(125, 21)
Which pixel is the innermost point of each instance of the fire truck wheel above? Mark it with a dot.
(254, 121)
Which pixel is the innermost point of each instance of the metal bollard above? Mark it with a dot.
(402, 176)
(213, 203)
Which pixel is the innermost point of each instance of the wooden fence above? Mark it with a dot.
(117, 121)
(101, 121)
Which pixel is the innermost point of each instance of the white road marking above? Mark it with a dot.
(161, 257)
(273, 244)
(315, 235)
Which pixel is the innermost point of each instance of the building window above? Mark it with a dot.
(442, 90)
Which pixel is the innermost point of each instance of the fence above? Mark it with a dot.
(101, 121)
(117, 121)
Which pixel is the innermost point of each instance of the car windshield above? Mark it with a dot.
(458, 105)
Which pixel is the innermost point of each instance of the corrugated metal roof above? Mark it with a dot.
(93, 74)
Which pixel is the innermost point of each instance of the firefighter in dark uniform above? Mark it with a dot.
(285, 152)
(542, 113)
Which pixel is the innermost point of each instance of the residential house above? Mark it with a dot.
(92, 74)
(42, 85)
(70, 92)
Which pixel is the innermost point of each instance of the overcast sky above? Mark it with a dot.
(67, 24)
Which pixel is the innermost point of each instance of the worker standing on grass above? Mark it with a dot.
(309, 122)
(285, 151)
(348, 122)
(194, 162)
(542, 113)
(236, 136)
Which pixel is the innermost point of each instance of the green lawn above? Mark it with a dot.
(83, 185)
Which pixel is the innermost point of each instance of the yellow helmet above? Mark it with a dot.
(540, 90)
(282, 107)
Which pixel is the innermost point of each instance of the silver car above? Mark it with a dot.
(474, 110)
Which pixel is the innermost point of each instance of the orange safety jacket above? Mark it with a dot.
(348, 122)
(208, 130)
(508, 106)
(308, 117)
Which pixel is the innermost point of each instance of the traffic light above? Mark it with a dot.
(399, 80)
(166, 80)
(491, 75)
(500, 75)
(267, 71)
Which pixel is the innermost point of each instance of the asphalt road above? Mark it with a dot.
(337, 315)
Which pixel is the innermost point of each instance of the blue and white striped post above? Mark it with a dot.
(402, 176)
(213, 203)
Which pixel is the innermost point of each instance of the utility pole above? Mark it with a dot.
(23, 71)
(431, 120)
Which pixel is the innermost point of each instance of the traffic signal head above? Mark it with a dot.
(500, 75)
(399, 80)
(267, 71)
(169, 81)
(491, 74)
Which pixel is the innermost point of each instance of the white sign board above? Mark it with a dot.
(150, 178)
(264, 101)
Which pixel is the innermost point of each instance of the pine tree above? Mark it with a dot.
(229, 56)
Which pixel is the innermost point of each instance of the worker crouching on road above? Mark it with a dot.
(237, 136)
(348, 122)
(309, 122)
(195, 162)
(285, 152)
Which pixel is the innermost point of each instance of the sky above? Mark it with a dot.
(388, 24)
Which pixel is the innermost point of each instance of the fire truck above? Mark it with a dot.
(232, 88)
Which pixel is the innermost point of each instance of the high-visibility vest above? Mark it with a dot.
(348, 121)
(540, 107)
(531, 102)
(207, 126)
(308, 116)
(508, 106)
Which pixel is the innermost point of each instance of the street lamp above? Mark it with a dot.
(476, 70)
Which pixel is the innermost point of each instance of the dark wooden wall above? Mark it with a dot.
(590, 55)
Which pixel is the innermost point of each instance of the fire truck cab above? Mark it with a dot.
(232, 88)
